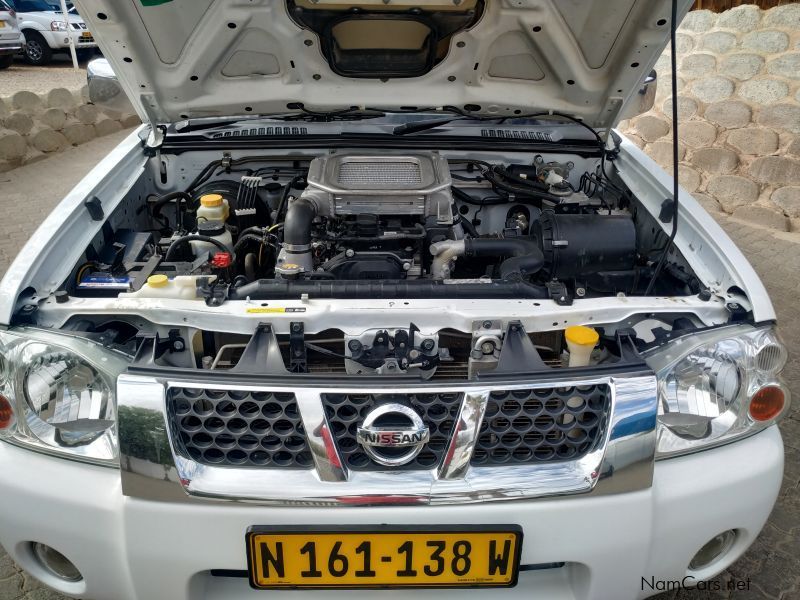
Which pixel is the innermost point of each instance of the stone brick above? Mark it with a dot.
(781, 116)
(764, 91)
(730, 114)
(732, 191)
(11, 588)
(687, 108)
(54, 118)
(3, 108)
(45, 139)
(697, 134)
(79, 133)
(788, 199)
(741, 66)
(130, 121)
(651, 128)
(715, 160)
(27, 101)
(106, 127)
(683, 43)
(763, 215)
(766, 42)
(741, 18)
(87, 114)
(712, 89)
(60, 98)
(698, 20)
(776, 170)
(787, 16)
(787, 66)
(697, 65)
(755, 140)
(18, 121)
(719, 42)
(688, 178)
(12, 145)
(661, 152)
(794, 147)
(707, 202)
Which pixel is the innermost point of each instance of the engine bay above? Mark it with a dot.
(365, 225)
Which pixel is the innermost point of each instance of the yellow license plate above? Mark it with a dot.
(395, 557)
(86, 34)
(2, 24)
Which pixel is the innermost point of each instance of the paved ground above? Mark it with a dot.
(773, 563)
(58, 74)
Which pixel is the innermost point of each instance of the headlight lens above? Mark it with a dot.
(58, 26)
(716, 386)
(61, 389)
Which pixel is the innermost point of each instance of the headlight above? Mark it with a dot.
(716, 386)
(58, 26)
(57, 394)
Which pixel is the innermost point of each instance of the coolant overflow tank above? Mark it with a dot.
(575, 245)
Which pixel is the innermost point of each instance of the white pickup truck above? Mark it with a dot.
(48, 31)
(377, 299)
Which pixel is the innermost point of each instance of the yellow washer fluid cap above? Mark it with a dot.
(582, 336)
(211, 200)
(158, 281)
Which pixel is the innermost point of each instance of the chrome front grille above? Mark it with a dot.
(540, 425)
(345, 411)
(238, 428)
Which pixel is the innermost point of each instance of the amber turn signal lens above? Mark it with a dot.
(767, 403)
(6, 413)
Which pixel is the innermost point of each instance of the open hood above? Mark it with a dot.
(180, 59)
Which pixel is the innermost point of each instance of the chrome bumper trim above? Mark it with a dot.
(622, 462)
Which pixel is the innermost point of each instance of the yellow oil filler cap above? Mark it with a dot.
(211, 200)
(580, 341)
(158, 281)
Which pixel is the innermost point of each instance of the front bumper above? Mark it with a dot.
(612, 546)
(60, 39)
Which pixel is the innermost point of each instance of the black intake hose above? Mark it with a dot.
(297, 226)
(420, 289)
(526, 256)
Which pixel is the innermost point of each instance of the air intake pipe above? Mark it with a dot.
(525, 256)
(296, 248)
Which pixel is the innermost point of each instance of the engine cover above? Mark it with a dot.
(407, 184)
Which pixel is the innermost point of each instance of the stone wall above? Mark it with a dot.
(33, 126)
(739, 113)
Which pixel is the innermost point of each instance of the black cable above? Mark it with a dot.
(675, 184)
(285, 197)
(193, 238)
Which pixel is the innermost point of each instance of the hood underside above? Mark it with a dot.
(182, 59)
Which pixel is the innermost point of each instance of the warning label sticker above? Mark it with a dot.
(266, 310)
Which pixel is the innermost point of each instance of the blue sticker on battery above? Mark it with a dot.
(105, 282)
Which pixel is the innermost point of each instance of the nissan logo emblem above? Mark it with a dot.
(393, 434)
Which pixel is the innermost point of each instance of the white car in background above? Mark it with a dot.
(11, 38)
(46, 31)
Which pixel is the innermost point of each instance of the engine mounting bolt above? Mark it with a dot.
(487, 324)
(487, 347)
(350, 253)
(406, 266)
(296, 327)
(354, 345)
(580, 292)
(178, 346)
(427, 345)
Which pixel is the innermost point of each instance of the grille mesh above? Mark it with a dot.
(541, 425)
(238, 428)
(346, 411)
(388, 174)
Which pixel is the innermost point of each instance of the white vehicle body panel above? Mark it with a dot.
(40, 21)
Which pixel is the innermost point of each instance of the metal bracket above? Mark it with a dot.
(297, 348)
(262, 354)
(559, 293)
(518, 353)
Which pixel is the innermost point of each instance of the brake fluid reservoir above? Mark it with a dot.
(213, 207)
(580, 342)
(215, 230)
